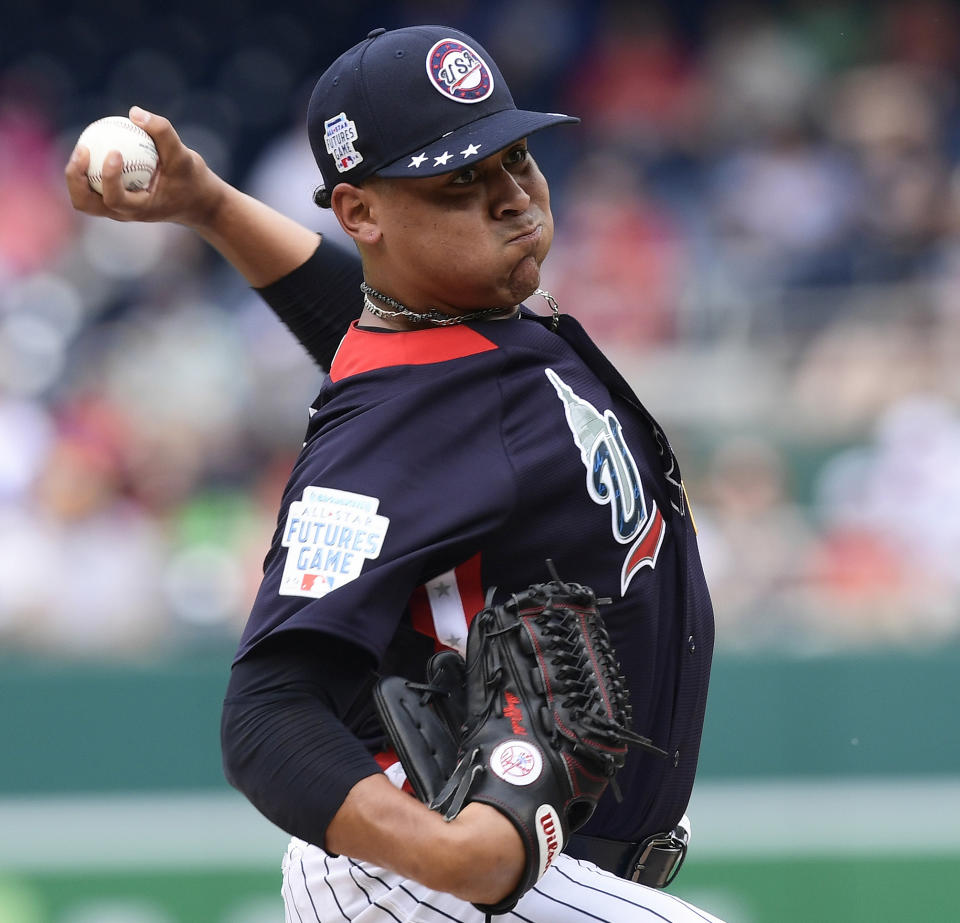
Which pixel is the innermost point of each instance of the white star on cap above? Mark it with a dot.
(471, 150)
(441, 161)
(416, 161)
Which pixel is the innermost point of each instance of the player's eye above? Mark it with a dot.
(464, 177)
(516, 155)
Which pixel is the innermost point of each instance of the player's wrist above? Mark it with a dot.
(209, 213)
(485, 854)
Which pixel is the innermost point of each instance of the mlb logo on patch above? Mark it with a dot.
(316, 583)
(458, 72)
(339, 135)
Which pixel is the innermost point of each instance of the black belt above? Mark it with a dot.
(654, 861)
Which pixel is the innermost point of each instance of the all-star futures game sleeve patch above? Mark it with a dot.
(328, 536)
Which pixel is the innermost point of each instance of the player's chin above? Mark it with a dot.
(528, 268)
(524, 280)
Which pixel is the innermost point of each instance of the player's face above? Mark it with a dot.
(469, 239)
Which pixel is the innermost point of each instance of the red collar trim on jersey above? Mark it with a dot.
(367, 350)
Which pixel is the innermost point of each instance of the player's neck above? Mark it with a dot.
(393, 314)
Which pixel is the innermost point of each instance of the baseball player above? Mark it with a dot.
(460, 440)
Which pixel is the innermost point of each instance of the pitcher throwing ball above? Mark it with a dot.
(471, 453)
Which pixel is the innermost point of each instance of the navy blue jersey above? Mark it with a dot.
(443, 462)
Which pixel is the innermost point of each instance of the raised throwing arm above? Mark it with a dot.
(263, 245)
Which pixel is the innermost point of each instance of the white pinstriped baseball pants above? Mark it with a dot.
(320, 888)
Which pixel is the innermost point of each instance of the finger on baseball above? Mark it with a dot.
(164, 135)
(122, 203)
(82, 197)
(110, 180)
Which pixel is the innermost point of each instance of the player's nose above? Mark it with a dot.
(507, 196)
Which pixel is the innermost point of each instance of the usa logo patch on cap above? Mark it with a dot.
(458, 72)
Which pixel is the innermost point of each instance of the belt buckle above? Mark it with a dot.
(659, 858)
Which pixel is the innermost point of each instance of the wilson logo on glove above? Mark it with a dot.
(548, 835)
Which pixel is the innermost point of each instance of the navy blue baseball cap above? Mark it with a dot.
(417, 101)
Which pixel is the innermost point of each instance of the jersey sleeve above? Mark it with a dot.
(318, 300)
(290, 736)
(386, 495)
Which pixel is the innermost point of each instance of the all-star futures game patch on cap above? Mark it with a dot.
(417, 101)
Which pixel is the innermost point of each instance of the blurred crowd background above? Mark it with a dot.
(759, 218)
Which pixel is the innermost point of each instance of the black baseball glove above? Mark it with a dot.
(544, 725)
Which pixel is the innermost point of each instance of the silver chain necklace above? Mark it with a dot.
(439, 318)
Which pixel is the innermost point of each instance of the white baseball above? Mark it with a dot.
(116, 133)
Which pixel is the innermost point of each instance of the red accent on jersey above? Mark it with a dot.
(645, 551)
(471, 599)
(420, 615)
(366, 350)
(471, 589)
(387, 758)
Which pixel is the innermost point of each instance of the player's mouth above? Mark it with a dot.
(529, 236)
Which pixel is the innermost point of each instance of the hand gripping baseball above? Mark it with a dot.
(547, 721)
(182, 189)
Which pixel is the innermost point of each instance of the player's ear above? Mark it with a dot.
(352, 206)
